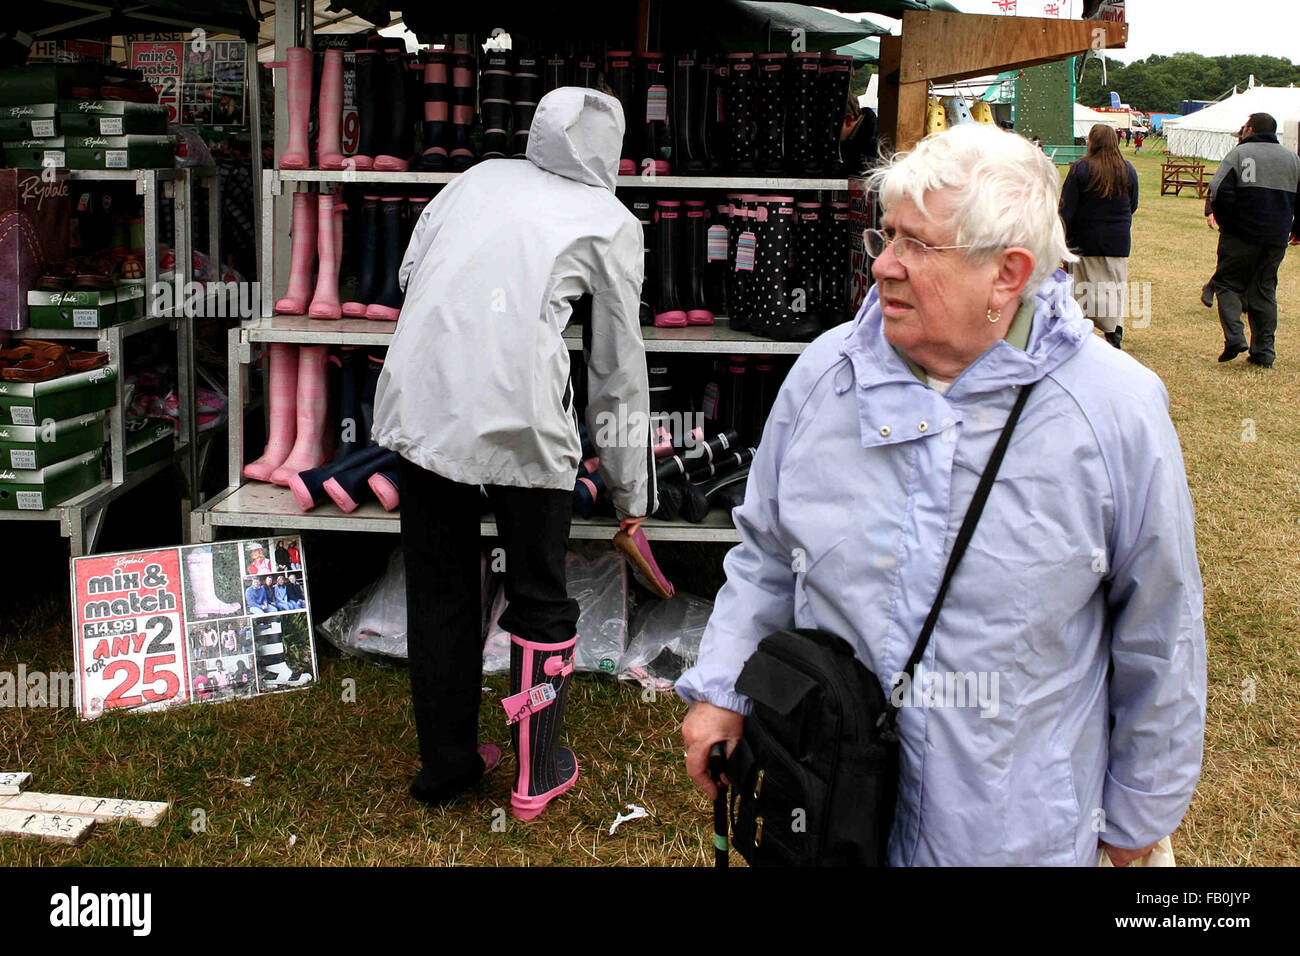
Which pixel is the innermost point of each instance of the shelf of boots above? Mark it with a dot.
(717, 338)
(257, 504)
(276, 177)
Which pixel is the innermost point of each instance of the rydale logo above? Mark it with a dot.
(34, 188)
(87, 106)
(90, 142)
(21, 111)
(103, 909)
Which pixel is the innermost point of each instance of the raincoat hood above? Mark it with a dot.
(577, 133)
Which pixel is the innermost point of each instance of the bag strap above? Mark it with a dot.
(888, 722)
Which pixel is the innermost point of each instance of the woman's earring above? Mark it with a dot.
(994, 318)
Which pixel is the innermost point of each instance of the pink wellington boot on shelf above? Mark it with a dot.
(329, 246)
(282, 400)
(312, 414)
(302, 257)
(329, 151)
(299, 64)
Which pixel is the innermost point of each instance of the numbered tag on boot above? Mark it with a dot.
(520, 705)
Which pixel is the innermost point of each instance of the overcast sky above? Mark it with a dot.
(1209, 27)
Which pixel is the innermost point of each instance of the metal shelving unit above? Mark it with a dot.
(80, 518)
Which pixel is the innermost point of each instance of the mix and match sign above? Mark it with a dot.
(198, 623)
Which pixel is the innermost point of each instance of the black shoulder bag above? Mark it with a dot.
(815, 777)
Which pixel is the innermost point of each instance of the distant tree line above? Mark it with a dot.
(1158, 83)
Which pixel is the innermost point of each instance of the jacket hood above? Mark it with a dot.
(577, 133)
(1260, 138)
(1059, 331)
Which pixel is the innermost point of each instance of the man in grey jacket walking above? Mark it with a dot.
(1255, 203)
(476, 392)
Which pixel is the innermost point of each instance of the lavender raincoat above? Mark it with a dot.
(1075, 619)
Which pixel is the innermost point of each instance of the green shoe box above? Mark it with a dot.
(46, 82)
(35, 446)
(88, 309)
(111, 118)
(36, 489)
(148, 440)
(29, 403)
(92, 152)
(34, 120)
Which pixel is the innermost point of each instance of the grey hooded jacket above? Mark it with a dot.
(476, 386)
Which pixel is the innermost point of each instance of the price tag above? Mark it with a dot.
(745, 248)
(717, 244)
(43, 127)
(23, 458)
(22, 414)
(110, 125)
(85, 318)
(55, 157)
(115, 159)
(30, 501)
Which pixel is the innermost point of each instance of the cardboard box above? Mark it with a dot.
(149, 440)
(35, 446)
(110, 118)
(36, 489)
(30, 403)
(29, 121)
(93, 152)
(85, 309)
(34, 228)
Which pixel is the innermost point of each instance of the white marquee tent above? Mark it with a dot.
(1212, 132)
(1085, 118)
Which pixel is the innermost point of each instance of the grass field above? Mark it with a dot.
(329, 776)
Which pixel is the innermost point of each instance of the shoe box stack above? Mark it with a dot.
(82, 116)
(52, 429)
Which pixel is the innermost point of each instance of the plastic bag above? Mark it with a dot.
(665, 640)
(599, 585)
(373, 623)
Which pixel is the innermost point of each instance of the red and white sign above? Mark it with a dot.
(153, 629)
(1111, 10)
(161, 65)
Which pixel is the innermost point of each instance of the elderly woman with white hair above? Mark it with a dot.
(1079, 593)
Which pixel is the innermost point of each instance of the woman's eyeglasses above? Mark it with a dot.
(908, 251)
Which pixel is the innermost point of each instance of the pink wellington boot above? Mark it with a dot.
(299, 64)
(198, 572)
(329, 151)
(329, 243)
(302, 257)
(283, 401)
(539, 683)
(311, 418)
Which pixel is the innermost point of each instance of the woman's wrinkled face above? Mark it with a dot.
(937, 301)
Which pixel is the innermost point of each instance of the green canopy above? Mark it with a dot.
(864, 51)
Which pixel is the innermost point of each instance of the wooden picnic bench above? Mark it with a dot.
(1179, 174)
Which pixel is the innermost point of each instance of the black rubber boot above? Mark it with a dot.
(832, 96)
(761, 395)
(662, 405)
(393, 132)
(436, 125)
(735, 401)
(365, 100)
(835, 258)
(367, 281)
(774, 272)
(652, 89)
(668, 231)
(688, 153)
(805, 295)
(769, 110)
(496, 104)
(712, 78)
(392, 245)
(351, 381)
(308, 487)
(350, 485)
(556, 71)
(738, 280)
(804, 123)
(526, 85)
(694, 262)
(620, 76)
(546, 769)
(644, 210)
(463, 73)
(586, 72)
(741, 130)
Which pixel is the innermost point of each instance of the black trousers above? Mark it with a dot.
(441, 550)
(1246, 281)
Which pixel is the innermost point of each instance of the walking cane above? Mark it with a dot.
(717, 767)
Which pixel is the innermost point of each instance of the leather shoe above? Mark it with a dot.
(1231, 352)
(1254, 361)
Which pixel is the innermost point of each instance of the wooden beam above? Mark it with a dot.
(942, 47)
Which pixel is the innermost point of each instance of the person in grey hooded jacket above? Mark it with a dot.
(476, 392)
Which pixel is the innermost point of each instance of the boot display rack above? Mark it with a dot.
(260, 505)
(80, 517)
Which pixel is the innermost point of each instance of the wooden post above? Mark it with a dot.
(938, 47)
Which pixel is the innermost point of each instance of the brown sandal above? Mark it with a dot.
(41, 368)
(79, 361)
